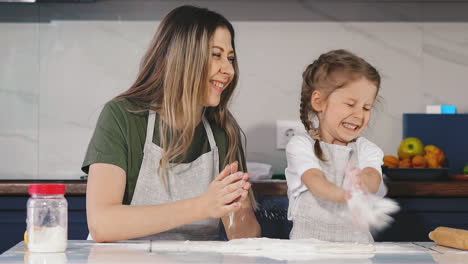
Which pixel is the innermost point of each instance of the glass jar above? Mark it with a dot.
(47, 218)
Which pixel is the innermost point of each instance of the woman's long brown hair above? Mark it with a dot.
(173, 80)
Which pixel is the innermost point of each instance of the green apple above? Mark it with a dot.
(465, 169)
(410, 147)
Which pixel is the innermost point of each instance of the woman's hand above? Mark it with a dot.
(243, 199)
(226, 192)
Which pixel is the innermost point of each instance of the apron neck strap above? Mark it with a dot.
(151, 124)
(209, 132)
(150, 127)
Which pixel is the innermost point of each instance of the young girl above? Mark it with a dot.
(338, 92)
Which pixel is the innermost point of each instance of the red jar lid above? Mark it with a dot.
(47, 189)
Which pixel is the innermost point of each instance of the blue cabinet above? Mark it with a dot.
(447, 131)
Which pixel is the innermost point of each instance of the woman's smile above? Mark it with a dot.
(218, 85)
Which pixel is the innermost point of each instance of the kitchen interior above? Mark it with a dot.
(61, 61)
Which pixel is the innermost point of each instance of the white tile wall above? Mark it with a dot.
(57, 74)
(19, 91)
(83, 65)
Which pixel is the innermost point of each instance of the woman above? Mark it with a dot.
(165, 160)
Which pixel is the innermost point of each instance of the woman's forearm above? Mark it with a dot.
(120, 222)
(110, 220)
(244, 224)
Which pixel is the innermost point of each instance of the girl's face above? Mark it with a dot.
(344, 114)
(221, 71)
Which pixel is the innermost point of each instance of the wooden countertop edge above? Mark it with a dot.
(277, 188)
(10, 188)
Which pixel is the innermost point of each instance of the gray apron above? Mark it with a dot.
(325, 220)
(187, 180)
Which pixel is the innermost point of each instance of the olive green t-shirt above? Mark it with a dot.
(119, 139)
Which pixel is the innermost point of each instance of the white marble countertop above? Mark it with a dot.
(289, 251)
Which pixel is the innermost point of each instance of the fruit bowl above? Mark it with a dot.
(415, 174)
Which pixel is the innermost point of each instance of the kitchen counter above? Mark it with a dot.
(171, 252)
(279, 188)
(424, 207)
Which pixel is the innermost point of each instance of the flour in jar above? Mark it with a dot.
(47, 239)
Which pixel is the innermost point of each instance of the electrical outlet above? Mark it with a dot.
(285, 130)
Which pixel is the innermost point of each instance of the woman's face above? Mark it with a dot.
(221, 71)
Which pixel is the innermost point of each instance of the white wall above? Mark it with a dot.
(59, 63)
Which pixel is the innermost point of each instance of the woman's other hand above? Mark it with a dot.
(226, 192)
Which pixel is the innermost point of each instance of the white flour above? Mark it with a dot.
(231, 214)
(231, 220)
(47, 239)
(281, 249)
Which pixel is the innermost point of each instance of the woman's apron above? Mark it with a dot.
(185, 181)
(326, 220)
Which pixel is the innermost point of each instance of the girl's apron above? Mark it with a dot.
(325, 220)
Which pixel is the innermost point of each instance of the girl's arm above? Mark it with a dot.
(109, 220)
(371, 179)
(323, 188)
(370, 158)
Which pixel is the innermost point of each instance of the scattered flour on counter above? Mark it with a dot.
(281, 249)
(45, 258)
(406, 248)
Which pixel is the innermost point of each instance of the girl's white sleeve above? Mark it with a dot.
(300, 157)
(370, 155)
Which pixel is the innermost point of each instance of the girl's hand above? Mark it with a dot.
(225, 193)
(353, 179)
(346, 195)
(360, 183)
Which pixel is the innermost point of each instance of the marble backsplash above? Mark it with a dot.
(59, 64)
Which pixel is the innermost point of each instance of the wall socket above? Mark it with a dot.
(285, 130)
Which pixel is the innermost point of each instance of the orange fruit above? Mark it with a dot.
(391, 161)
(405, 163)
(436, 153)
(432, 161)
(419, 162)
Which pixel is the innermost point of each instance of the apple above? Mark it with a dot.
(465, 169)
(410, 147)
